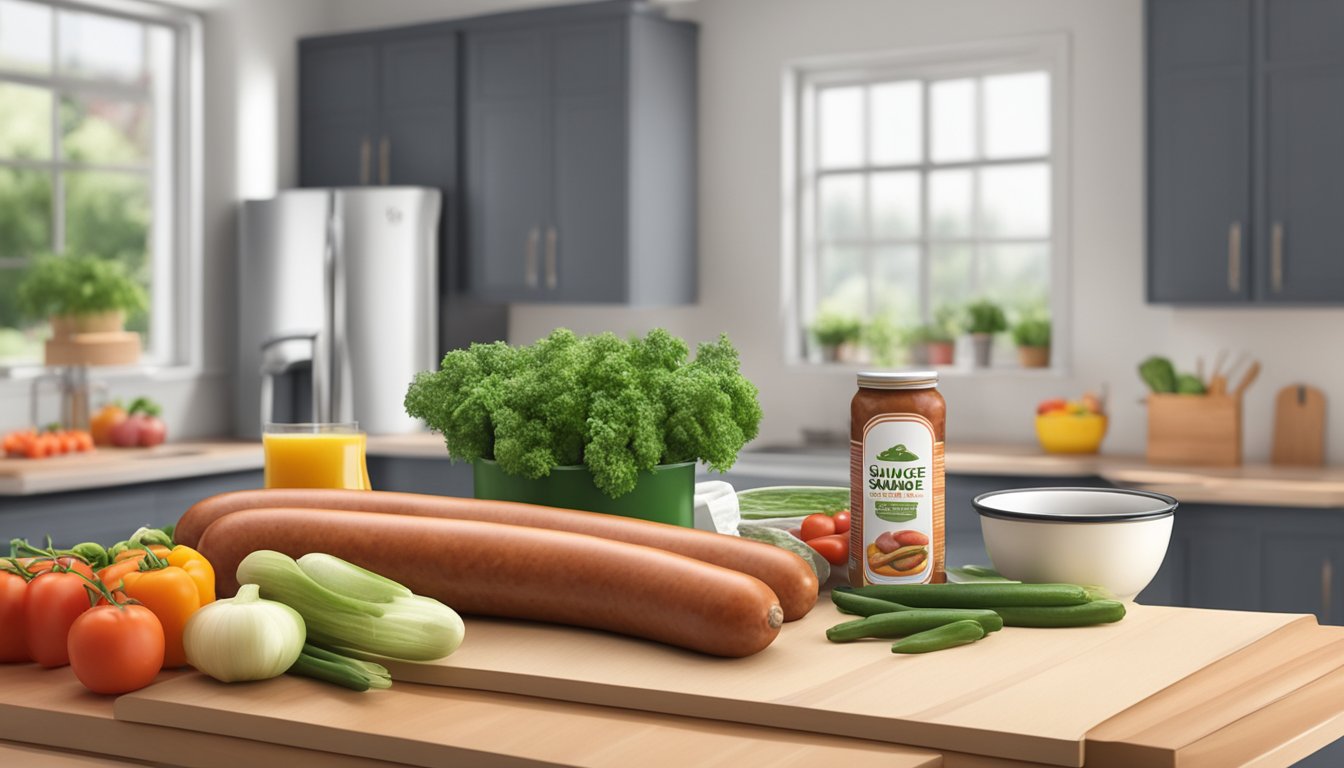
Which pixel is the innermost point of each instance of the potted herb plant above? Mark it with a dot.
(935, 343)
(80, 294)
(884, 340)
(838, 335)
(984, 318)
(1032, 336)
(591, 422)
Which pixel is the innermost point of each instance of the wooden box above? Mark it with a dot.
(1194, 429)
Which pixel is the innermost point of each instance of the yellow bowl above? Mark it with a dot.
(1070, 432)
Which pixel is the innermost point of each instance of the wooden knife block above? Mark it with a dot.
(1194, 429)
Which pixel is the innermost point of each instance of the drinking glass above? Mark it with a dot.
(315, 456)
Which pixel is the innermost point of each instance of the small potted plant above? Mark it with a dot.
(931, 344)
(984, 318)
(884, 341)
(838, 335)
(80, 294)
(1032, 336)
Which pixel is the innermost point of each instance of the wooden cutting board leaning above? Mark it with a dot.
(1299, 427)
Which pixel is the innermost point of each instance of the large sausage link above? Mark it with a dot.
(513, 571)
(788, 575)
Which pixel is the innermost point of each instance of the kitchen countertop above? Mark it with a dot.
(1251, 484)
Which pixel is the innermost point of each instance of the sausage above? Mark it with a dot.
(513, 571)
(791, 578)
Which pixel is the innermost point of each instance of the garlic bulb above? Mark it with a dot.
(244, 637)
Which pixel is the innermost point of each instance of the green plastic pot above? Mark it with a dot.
(664, 495)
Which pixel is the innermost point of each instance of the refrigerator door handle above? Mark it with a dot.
(530, 258)
(552, 243)
(384, 161)
(364, 151)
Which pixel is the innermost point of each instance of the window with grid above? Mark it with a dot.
(91, 126)
(922, 187)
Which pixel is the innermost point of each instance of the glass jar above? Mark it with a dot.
(897, 488)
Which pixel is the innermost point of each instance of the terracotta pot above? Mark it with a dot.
(941, 352)
(65, 326)
(919, 354)
(1034, 357)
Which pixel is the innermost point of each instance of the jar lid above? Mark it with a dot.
(898, 379)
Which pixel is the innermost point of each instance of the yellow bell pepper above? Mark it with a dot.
(172, 594)
(198, 568)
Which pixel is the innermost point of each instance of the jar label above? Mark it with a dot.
(898, 485)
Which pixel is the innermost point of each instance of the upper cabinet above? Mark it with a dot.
(1245, 151)
(580, 158)
(378, 108)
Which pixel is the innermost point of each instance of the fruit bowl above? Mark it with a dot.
(1061, 432)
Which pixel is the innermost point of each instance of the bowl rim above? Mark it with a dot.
(1168, 508)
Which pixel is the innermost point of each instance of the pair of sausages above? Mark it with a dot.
(694, 589)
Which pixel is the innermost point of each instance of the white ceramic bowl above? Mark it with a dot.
(1106, 537)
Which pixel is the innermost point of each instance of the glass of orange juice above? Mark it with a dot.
(315, 456)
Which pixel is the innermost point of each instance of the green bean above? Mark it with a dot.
(854, 603)
(1096, 612)
(974, 595)
(946, 636)
(909, 622)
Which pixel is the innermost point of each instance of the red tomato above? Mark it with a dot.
(116, 648)
(835, 548)
(51, 603)
(841, 519)
(13, 646)
(817, 525)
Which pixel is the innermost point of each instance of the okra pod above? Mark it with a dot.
(946, 636)
(909, 623)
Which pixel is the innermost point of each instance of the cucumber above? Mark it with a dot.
(852, 602)
(910, 622)
(975, 595)
(946, 636)
(1087, 614)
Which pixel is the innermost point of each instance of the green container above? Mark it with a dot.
(664, 495)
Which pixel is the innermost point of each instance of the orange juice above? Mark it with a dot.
(315, 460)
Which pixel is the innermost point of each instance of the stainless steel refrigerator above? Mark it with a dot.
(338, 306)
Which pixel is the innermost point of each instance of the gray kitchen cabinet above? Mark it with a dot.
(1245, 151)
(580, 154)
(1304, 573)
(338, 105)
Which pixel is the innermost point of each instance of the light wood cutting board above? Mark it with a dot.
(1022, 694)
(1299, 426)
(435, 726)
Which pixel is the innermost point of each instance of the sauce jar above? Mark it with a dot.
(896, 491)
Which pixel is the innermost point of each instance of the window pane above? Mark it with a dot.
(1016, 274)
(20, 341)
(840, 126)
(1015, 201)
(951, 279)
(896, 282)
(953, 129)
(102, 47)
(25, 213)
(25, 36)
(96, 129)
(1017, 112)
(950, 207)
(896, 211)
(25, 122)
(842, 285)
(841, 206)
(896, 130)
(107, 215)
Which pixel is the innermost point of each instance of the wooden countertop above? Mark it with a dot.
(1267, 703)
(1250, 485)
(108, 467)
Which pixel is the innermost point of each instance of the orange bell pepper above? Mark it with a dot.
(172, 594)
(136, 553)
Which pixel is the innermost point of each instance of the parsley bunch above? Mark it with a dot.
(618, 407)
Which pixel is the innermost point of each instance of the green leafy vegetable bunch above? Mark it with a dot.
(616, 406)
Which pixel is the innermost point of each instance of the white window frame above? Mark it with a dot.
(802, 80)
(178, 251)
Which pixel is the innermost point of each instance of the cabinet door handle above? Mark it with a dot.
(552, 243)
(1234, 257)
(530, 258)
(384, 160)
(1327, 588)
(364, 154)
(1276, 257)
